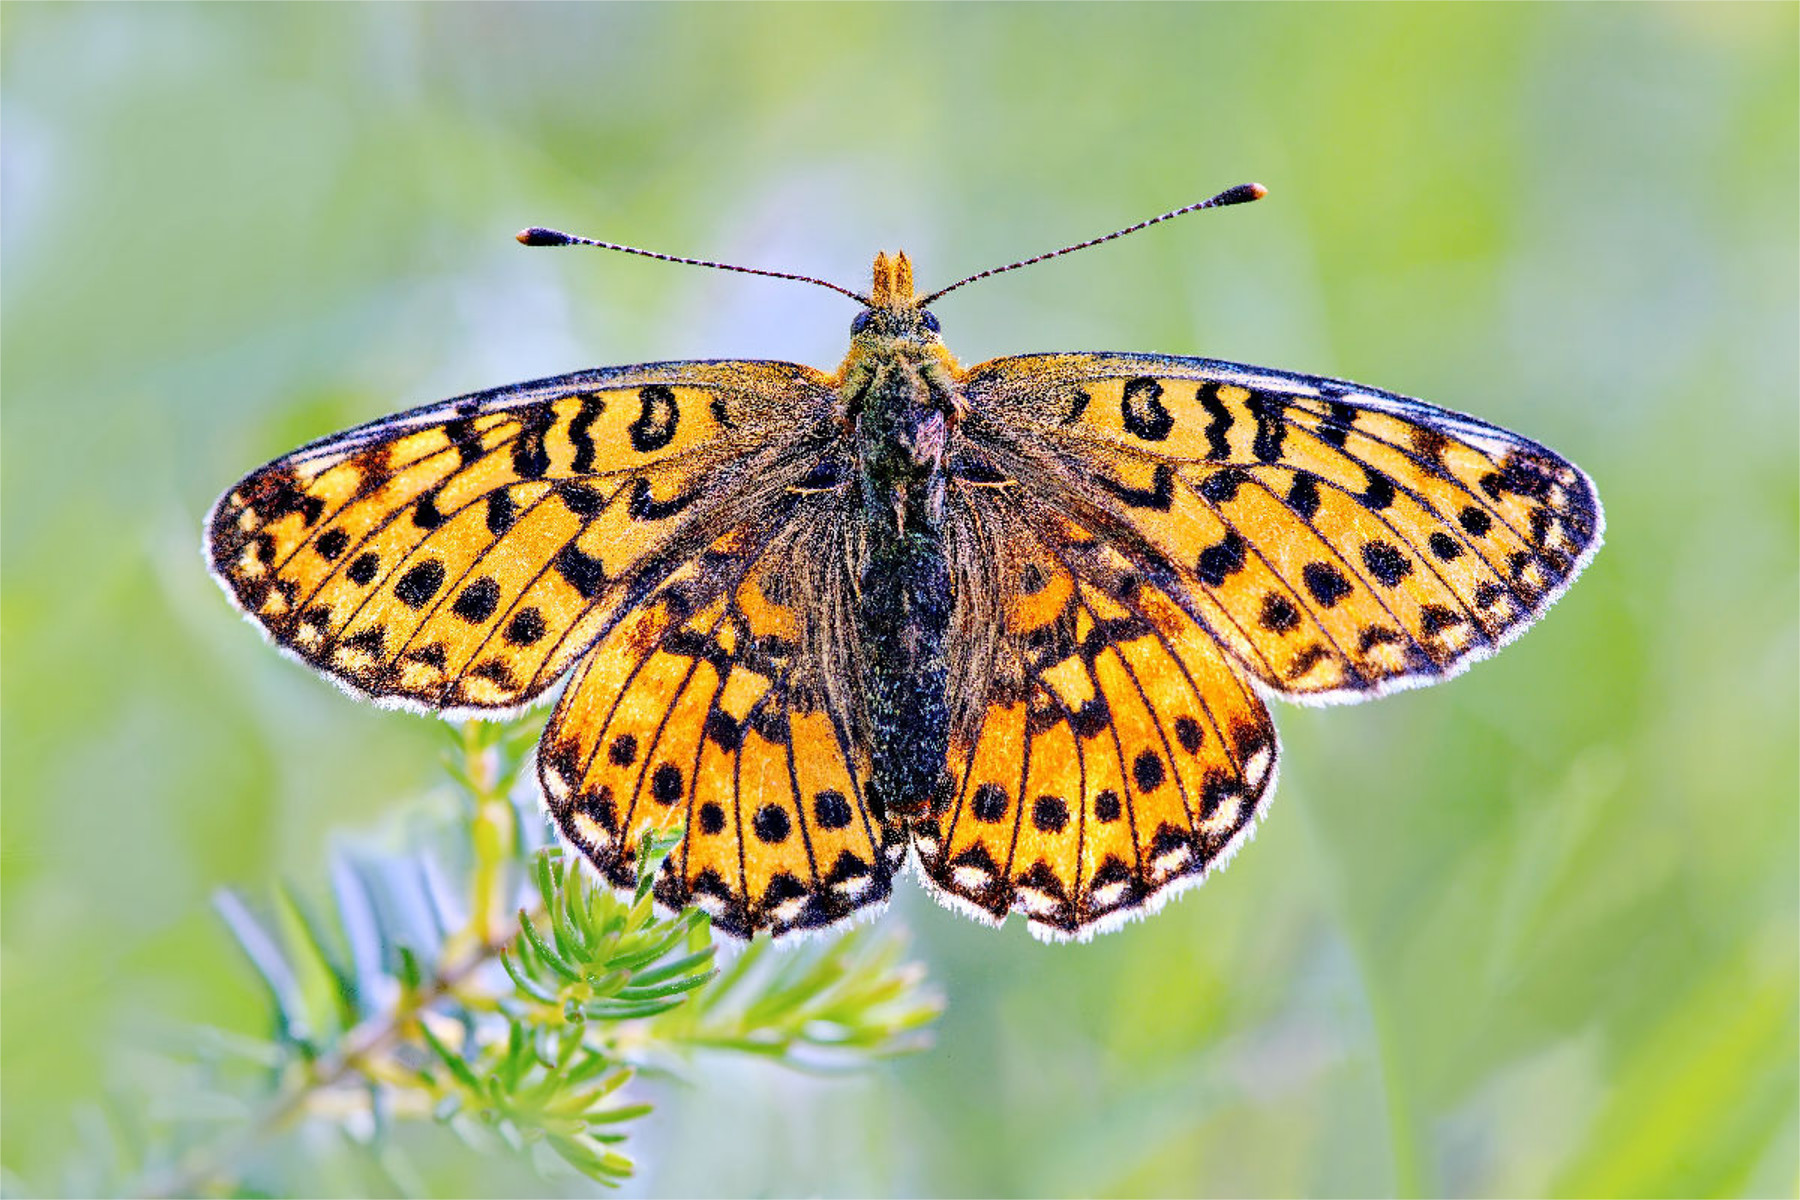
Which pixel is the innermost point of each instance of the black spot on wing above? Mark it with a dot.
(371, 641)
(1147, 771)
(1340, 417)
(823, 476)
(476, 603)
(1386, 563)
(581, 432)
(1221, 560)
(1524, 477)
(1326, 583)
(1221, 487)
(1376, 635)
(1307, 659)
(832, 810)
(1435, 618)
(1142, 409)
(667, 785)
(1271, 426)
(526, 627)
(1218, 788)
(1091, 718)
(1444, 546)
(1429, 444)
(1379, 493)
(1303, 495)
(425, 514)
(501, 512)
(583, 572)
(580, 499)
(1217, 444)
(1279, 614)
(530, 458)
(722, 730)
(772, 824)
(465, 438)
(1050, 814)
(654, 427)
(989, 803)
(1158, 496)
(1474, 521)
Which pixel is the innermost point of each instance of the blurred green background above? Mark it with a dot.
(1530, 932)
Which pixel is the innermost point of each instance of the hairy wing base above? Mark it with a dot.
(708, 708)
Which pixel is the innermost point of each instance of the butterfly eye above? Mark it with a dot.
(930, 322)
(861, 322)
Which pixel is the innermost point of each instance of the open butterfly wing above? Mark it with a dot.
(1111, 754)
(1340, 541)
(462, 555)
(720, 705)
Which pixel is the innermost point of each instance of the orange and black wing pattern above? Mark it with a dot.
(461, 556)
(1337, 540)
(1108, 751)
(1142, 545)
(721, 705)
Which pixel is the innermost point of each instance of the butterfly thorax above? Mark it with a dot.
(899, 391)
(900, 395)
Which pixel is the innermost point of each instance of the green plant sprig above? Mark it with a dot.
(486, 983)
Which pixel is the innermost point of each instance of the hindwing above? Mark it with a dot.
(1107, 752)
(721, 705)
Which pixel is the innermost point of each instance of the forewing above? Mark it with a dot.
(462, 555)
(1338, 540)
(720, 705)
(1107, 752)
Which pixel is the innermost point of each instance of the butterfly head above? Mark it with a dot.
(894, 317)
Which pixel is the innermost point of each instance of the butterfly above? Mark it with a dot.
(1016, 621)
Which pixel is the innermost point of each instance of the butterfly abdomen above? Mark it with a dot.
(903, 616)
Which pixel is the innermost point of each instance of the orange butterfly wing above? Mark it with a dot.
(464, 554)
(1115, 753)
(1159, 533)
(722, 705)
(1340, 541)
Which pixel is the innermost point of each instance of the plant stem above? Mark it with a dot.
(489, 931)
(359, 1045)
(494, 834)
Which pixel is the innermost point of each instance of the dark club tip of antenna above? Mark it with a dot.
(536, 236)
(1243, 193)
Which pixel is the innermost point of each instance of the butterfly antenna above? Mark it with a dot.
(1243, 193)
(555, 237)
